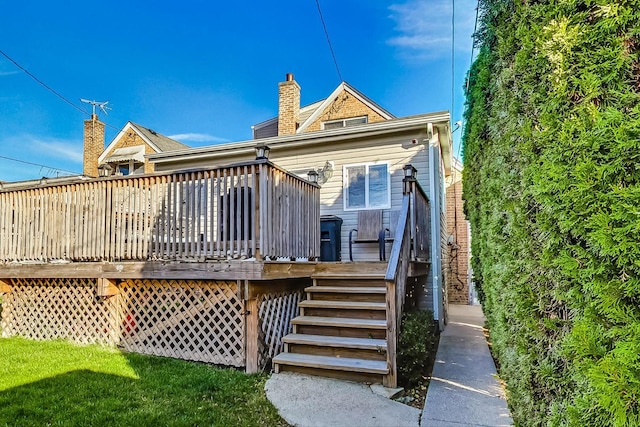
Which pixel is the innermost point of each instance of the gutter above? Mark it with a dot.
(287, 141)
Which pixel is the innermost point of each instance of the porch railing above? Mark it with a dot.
(412, 243)
(253, 209)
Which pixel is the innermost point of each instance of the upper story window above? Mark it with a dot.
(344, 123)
(367, 186)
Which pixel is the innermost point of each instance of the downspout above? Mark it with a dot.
(436, 261)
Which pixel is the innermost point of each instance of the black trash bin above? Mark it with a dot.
(330, 229)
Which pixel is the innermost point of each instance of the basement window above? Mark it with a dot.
(344, 123)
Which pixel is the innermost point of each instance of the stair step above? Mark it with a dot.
(334, 363)
(340, 322)
(347, 276)
(346, 305)
(331, 341)
(348, 289)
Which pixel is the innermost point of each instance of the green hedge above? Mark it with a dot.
(552, 190)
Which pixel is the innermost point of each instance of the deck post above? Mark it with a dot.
(5, 286)
(106, 288)
(391, 379)
(252, 347)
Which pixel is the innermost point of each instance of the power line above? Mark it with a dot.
(333, 55)
(50, 89)
(39, 165)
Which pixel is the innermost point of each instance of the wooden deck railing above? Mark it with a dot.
(420, 222)
(411, 244)
(254, 209)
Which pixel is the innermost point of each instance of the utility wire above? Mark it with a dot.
(333, 55)
(50, 89)
(44, 84)
(39, 165)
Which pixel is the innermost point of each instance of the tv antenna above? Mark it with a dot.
(94, 104)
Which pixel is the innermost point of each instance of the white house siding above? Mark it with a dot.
(396, 152)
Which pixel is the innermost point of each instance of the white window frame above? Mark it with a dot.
(345, 187)
(345, 120)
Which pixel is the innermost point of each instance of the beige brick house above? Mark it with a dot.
(125, 154)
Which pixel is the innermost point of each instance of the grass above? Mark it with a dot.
(61, 384)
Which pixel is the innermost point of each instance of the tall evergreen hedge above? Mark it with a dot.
(552, 189)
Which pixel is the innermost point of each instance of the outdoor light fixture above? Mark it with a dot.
(262, 152)
(312, 176)
(410, 172)
(104, 170)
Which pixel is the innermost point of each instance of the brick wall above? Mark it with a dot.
(458, 250)
(93, 145)
(345, 106)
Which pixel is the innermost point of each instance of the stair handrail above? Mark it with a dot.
(396, 280)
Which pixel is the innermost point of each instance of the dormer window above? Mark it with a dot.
(344, 123)
(127, 160)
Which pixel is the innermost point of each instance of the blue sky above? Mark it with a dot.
(203, 72)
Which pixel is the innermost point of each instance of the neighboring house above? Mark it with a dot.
(459, 241)
(360, 164)
(125, 155)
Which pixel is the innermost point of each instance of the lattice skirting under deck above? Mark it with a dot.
(274, 317)
(45, 309)
(193, 320)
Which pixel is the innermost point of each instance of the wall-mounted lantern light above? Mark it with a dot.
(312, 176)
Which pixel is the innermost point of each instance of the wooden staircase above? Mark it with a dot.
(342, 328)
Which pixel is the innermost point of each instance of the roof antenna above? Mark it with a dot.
(94, 104)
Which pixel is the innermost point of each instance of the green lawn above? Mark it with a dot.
(62, 384)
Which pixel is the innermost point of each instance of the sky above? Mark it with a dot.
(203, 72)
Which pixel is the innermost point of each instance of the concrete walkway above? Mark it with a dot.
(463, 391)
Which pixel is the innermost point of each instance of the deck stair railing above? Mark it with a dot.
(412, 243)
(247, 210)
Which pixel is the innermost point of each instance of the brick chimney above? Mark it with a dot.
(93, 145)
(288, 106)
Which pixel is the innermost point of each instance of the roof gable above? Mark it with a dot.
(158, 143)
(310, 113)
(344, 86)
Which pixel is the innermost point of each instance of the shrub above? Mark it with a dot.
(552, 190)
(417, 346)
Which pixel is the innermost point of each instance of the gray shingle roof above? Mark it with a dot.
(162, 142)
